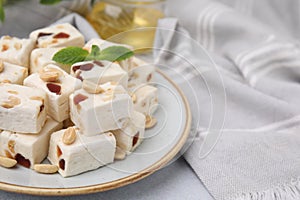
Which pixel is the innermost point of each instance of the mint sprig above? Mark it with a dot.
(71, 55)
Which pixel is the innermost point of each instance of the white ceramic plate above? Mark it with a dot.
(161, 144)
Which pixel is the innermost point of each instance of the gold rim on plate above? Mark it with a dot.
(116, 183)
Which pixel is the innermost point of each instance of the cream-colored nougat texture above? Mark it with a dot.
(85, 154)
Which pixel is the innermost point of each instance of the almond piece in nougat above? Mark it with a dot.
(22, 108)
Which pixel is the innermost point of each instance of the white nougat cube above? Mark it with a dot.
(22, 109)
(28, 149)
(41, 57)
(60, 35)
(100, 72)
(146, 99)
(103, 44)
(12, 73)
(131, 136)
(85, 154)
(15, 50)
(141, 72)
(58, 100)
(98, 113)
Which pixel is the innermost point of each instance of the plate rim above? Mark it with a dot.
(119, 182)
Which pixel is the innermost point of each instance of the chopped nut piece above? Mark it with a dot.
(7, 162)
(45, 168)
(37, 98)
(69, 136)
(12, 92)
(134, 98)
(150, 121)
(5, 47)
(91, 87)
(6, 81)
(7, 37)
(11, 145)
(11, 102)
(108, 97)
(18, 46)
(50, 75)
(1, 66)
(120, 154)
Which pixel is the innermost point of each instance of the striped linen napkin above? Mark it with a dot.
(244, 90)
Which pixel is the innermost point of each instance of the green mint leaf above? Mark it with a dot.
(49, 2)
(115, 53)
(70, 55)
(2, 14)
(95, 51)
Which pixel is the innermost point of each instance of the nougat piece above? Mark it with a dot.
(131, 136)
(103, 44)
(84, 154)
(15, 50)
(59, 35)
(11, 73)
(41, 57)
(100, 72)
(58, 89)
(28, 149)
(146, 99)
(98, 113)
(141, 72)
(22, 108)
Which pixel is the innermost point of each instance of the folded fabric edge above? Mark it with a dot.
(285, 191)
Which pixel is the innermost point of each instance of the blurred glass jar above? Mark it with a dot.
(128, 17)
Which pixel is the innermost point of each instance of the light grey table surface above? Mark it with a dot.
(176, 181)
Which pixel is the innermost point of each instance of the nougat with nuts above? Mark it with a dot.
(97, 113)
(58, 85)
(60, 35)
(41, 57)
(11, 73)
(28, 149)
(22, 108)
(83, 154)
(131, 136)
(15, 50)
(100, 72)
(140, 73)
(146, 99)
